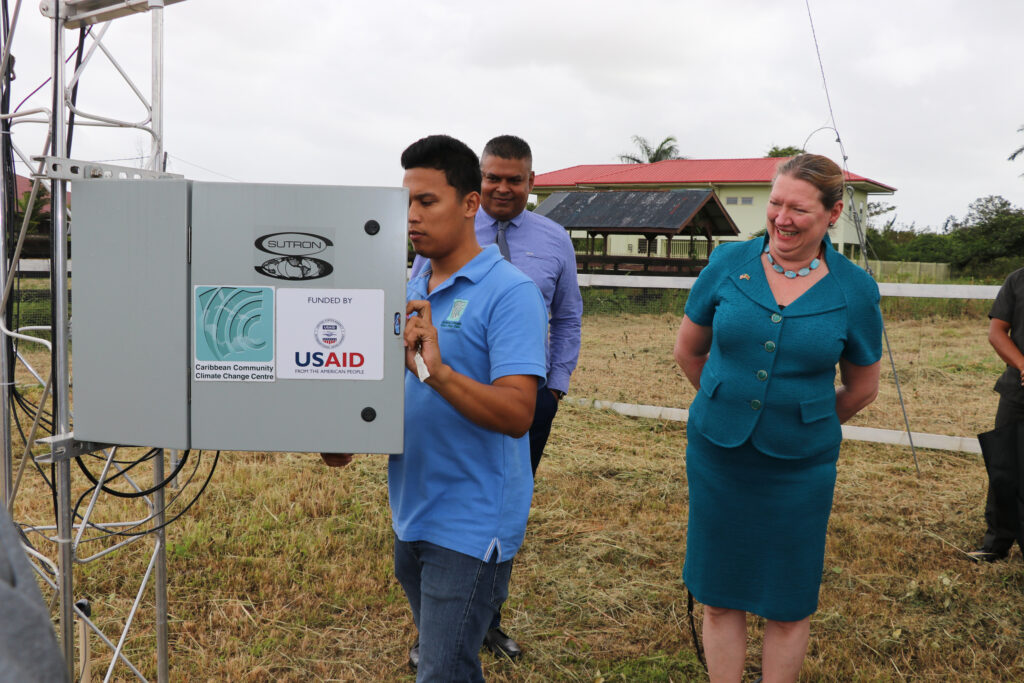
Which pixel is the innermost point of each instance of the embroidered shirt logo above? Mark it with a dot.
(458, 308)
(454, 319)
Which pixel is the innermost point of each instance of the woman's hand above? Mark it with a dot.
(693, 342)
(859, 388)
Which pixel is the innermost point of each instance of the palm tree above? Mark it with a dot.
(788, 151)
(37, 240)
(39, 218)
(665, 150)
(1019, 150)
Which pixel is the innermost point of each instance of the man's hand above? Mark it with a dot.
(336, 459)
(421, 335)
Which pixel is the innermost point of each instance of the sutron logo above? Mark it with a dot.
(293, 253)
(293, 243)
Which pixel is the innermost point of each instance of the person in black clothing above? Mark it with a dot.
(1003, 447)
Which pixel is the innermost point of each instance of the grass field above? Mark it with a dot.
(281, 571)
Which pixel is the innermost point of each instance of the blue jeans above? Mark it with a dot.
(453, 599)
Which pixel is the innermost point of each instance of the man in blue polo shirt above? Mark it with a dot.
(460, 493)
(543, 250)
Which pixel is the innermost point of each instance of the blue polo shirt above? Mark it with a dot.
(459, 485)
(543, 250)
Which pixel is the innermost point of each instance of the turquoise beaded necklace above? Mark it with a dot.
(806, 270)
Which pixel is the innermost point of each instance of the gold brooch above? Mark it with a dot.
(744, 277)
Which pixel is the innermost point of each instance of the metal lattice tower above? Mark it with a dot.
(54, 166)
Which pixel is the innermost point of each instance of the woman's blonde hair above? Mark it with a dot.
(819, 171)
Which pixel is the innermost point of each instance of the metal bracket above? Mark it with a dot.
(65, 447)
(58, 168)
(77, 13)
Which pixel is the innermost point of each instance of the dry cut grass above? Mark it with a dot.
(282, 570)
(946, 370)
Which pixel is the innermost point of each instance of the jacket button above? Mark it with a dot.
(769, 346)
(776, 318)
(762, 375)
(755, 404)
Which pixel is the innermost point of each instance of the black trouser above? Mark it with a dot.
(1003, 449)
(543, 415)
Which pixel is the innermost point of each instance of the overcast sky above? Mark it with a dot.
(927, 96)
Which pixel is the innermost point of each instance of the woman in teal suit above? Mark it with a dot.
(766, 323)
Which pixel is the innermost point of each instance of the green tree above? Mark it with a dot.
(878, 210)
(927, 247)
(666, 149)
(1019, 151)
(881, 244)
(883, 239)
(992, 229)
(788, 151)
(39, 218)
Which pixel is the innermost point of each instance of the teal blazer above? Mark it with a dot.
(770, 373)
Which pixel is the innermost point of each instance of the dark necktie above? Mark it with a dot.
(502, 240)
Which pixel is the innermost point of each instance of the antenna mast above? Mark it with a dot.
(55, 166)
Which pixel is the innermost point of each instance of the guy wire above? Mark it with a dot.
(860, 233)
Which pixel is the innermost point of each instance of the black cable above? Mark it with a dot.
(693, 630)
(30, 409)
(96, 456)
(9, 209)
(40, 87)
(82, 33)
(133, 494)
(166, 507)
(39, 469)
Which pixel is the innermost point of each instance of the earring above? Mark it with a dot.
(831, 225)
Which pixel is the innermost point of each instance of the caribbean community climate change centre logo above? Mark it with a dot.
(294, 256)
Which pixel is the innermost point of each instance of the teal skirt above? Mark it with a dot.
(755, 539)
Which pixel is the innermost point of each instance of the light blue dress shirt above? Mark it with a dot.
(543, 250)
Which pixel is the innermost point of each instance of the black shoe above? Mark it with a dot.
(498, 642)
(982, 555)
(414, 656)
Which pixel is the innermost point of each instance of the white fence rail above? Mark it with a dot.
(967, 444)
(886, 288)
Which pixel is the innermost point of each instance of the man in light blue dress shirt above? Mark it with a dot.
(541, 249)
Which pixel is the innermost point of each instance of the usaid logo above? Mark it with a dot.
(329, 333)
(293, 243)
(293, 256)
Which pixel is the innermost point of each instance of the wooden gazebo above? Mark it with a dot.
(673, 214)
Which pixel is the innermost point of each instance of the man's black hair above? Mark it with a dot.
(508, 147)
(442, 152)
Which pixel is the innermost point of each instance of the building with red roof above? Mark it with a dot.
(23, 186)
(742, 186)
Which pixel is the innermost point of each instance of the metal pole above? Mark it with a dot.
(61, 372)
(156, 161)
(6, 382)
(160, 584)
(172, 464)
(6, 374)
